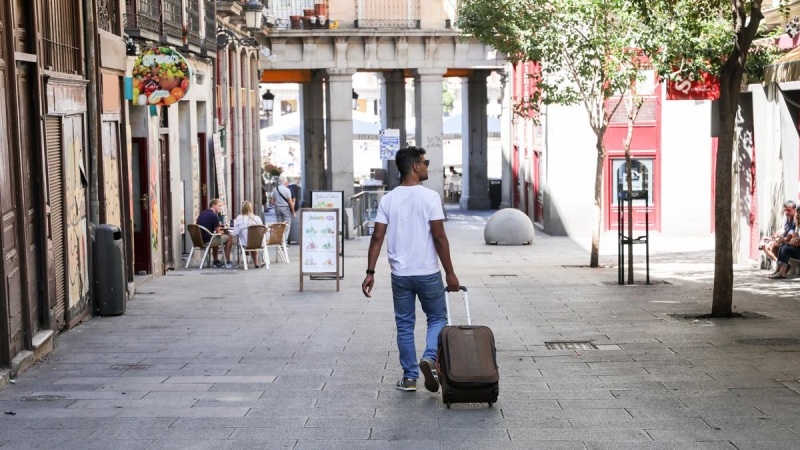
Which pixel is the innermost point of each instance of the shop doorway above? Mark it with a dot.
(203, 157)
(140, 182)
(166, 204)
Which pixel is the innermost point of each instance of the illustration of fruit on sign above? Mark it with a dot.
(161, 76)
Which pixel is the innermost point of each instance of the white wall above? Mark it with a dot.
(685, 176)
(571, 153)
(686, 161)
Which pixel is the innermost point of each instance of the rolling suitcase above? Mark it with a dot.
(467, 361)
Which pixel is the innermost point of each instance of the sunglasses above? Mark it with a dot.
(427, 162)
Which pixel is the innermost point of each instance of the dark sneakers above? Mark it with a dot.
(429, 372)
(407, 384)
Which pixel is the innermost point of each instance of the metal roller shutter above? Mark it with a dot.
(55, 187)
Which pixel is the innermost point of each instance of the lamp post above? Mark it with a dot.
(252, 14)
(355, 100)
(267, 102)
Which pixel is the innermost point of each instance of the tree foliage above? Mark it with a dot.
(717, 37)
(589, 51)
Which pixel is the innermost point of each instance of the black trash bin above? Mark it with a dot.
(495, 192)
(110, 294)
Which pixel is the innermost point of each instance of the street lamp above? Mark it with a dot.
(252, 14)
(355, 100)
(226, 37)
(268, 102)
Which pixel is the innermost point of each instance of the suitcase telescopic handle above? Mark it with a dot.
(466, 303)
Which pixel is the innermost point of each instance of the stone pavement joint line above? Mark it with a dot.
(247, 361)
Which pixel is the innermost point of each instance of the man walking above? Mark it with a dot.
(284, 204)
(413, 216)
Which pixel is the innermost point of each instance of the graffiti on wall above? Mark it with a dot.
(195, 181)
(76, 181)
(111, 183)
(154, 205)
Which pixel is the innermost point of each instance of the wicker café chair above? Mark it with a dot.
(196, 233)
(255, 243)
(277, 239)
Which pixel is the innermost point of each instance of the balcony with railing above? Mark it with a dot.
(367, 14)
(193, 27)
(162, 18)
(108, 16)
(298, 14)
(61, 39)
(388, 14)
(172, 15)
(211, 25)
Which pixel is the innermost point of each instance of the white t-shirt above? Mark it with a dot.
(407, 212)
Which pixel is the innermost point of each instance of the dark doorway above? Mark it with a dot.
(166, 204)
(30, 197)
(142, 263)
(203, 150)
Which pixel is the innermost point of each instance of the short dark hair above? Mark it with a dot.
(406, 157)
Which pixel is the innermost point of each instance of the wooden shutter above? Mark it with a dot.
(55, 187)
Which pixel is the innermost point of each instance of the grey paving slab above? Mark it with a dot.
(529, 445)
(220, 411)
(226, 444)
(328, 434)
(367, 445)
(399, 433)
(591, 445)
(767, 445)
(215, 433)
(631, 435)
(44, 443)
(725, 434)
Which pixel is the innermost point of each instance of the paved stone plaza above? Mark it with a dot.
(228, 359)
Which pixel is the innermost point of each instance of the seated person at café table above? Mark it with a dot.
(209, 219)
(244, 220)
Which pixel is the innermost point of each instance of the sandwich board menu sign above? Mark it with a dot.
(332, 199)
(319, 243)
(329, 199)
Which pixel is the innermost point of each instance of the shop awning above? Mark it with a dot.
(786, 69)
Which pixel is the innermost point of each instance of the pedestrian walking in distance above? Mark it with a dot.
(411, 216)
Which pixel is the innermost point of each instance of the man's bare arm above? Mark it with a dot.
(442, 245)
(375, 245)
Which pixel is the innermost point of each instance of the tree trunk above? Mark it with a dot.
(598, 200)
(730, 80)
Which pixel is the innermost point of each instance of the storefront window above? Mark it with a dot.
(641, 174)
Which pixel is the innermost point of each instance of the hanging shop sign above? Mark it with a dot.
(705, 88)
(161, 76)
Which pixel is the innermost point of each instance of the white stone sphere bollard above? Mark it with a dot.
(509, 227)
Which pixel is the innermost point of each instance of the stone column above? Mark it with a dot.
(339, 137)
(505, 138)
(475, 136)
(393, 115)
(312, 136)
(428, 112)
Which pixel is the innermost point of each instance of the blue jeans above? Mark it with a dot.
(430, 290)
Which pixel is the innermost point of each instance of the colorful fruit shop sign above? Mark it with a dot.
(161, 76)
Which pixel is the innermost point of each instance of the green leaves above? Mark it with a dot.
(589, 50)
